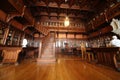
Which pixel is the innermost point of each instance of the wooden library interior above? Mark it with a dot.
(59, 40)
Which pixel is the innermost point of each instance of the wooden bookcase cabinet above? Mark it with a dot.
(11, 36)
(3, 32)
(14, 37)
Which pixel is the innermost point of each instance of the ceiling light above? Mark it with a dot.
(66, 22)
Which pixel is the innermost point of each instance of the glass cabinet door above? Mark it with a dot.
(16, 38)
(21, 38)
(3, 29)
(10, 37)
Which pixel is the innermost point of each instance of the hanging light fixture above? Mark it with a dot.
(66, 22)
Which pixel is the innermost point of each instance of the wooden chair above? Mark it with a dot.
(10, 55)
(86, 55)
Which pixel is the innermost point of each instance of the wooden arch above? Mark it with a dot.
(11, 16)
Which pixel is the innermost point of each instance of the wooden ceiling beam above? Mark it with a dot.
(38, 4)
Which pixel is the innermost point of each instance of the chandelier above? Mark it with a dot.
(66, 22)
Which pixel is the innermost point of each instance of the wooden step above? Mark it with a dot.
(46, 60)
(47, 56)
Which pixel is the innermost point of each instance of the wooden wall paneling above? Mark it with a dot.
(85, 36)
(71, 36)
(79, 36)
(66, 34)
(56, 35)
(62, 35)
(74, 35)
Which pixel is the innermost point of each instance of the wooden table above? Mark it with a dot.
(105, 55)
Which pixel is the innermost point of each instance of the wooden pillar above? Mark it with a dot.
(40, 46)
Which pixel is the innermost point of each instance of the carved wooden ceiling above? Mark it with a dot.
(80, 10)
(83, 10)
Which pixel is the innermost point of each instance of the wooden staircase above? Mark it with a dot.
(47, 49)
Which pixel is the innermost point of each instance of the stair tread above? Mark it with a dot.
(46, 60)
(47, 56)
